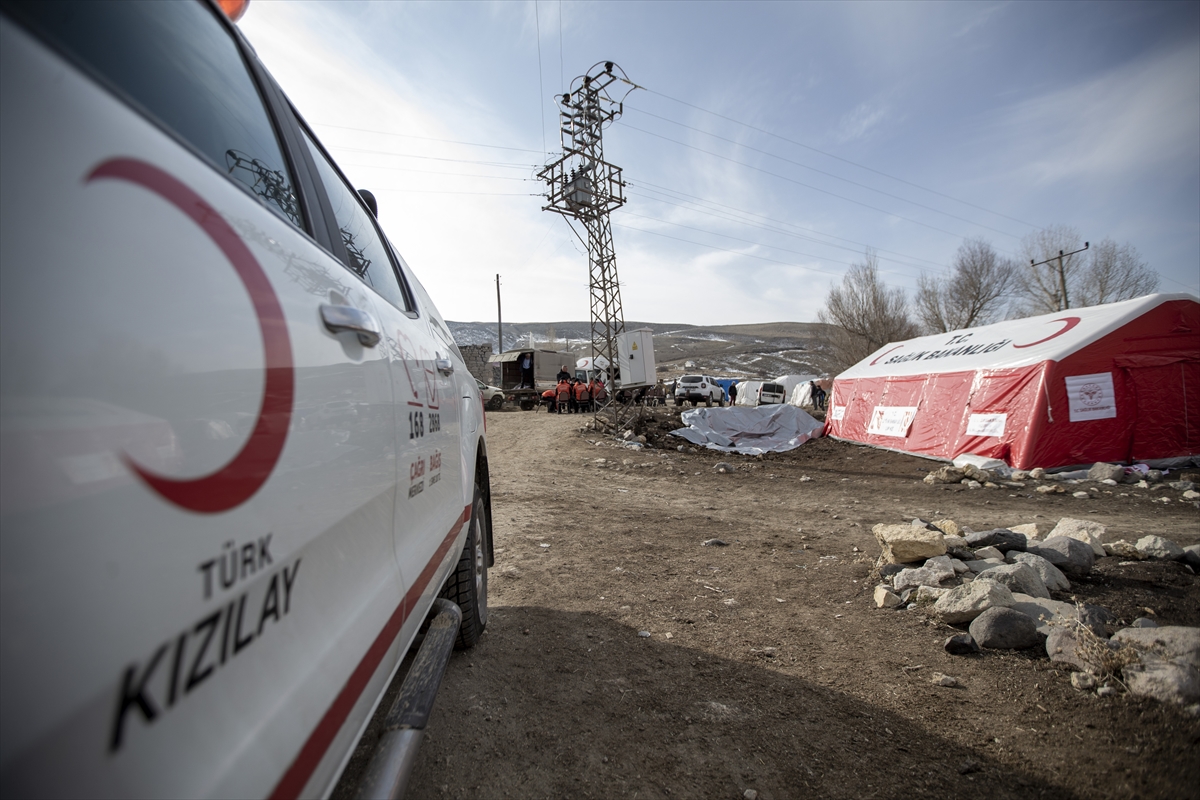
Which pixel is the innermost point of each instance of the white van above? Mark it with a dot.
(771, 394)
(242, 457)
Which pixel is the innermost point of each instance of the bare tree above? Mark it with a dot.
(1104, 273)
(975, 294)
(863, 314)
(1115, 272)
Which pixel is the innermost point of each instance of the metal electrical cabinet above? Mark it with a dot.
(636, 351)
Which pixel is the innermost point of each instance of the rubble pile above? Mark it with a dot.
(1000, 584)
(1111, 476)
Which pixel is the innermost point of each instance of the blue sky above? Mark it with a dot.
(899, 126)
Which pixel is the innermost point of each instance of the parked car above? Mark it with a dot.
(201, 596)
(771, 394)
(493, 397)
(698, 389)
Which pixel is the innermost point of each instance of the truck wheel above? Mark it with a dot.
(467, 585)
(495, 403)
(708, 401)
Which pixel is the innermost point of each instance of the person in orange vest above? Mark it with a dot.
(598, 390)
(583, 397)
(548, 397)
(562, 394)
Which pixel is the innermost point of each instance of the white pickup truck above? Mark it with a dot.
(242, 457)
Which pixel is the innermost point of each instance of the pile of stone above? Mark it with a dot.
(1000, 582)
(1101, 474)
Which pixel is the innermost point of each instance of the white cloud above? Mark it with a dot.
(859, 122)
(1136, 117)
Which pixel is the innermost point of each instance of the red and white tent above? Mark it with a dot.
(1118, 382)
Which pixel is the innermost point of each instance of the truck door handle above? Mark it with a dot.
(445, 366)
(339, 319)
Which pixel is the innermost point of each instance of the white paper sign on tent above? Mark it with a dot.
(986, 424)
(1091, 396)
(891, 420)
(839, 412)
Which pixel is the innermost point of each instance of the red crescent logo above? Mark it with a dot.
(884, 353)
(1071, 322)
(237, 481)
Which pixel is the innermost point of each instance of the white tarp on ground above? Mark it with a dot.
(749, 431)
(747, 393)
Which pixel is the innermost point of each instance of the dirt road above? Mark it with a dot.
(767, 666)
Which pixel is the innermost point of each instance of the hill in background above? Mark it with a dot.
(762, 350)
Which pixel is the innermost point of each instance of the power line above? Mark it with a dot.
(480, 194)
(747, 241)
(730, 218)
(541, 90)
(793, 180)
(435, 172)
(433, 158)
(675, 194)
(827, 174)
(727, 250)
(839, 158)
(426, 138)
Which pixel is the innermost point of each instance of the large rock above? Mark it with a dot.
(1123, 549)
(1004, 629)
(886, 598)
(1170, 642)
(984, 553)
(946, 474)
(1158, 547)
(1101, 471)
(1049, 614)
(1052, 577)
(933, 573)
(947, 526)
(1070, 555)
(1029, 530)
(956, 546)
(902, 544)
(1000, 538)
(1018, 578)
(965, 603)
(1062, 645)
(980, 564)
(1165, 681)
(1191, 556)
(1084, 530)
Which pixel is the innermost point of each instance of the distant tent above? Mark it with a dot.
(790, 382)
(802, 396)
(1118, 382)
(747, 393)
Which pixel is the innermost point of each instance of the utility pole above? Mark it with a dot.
(1063, 302)
(499, 319)
(582, 186)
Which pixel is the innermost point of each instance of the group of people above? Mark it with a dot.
(571, 395)
(818, 395)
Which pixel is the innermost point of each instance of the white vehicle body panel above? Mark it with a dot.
(152, 650)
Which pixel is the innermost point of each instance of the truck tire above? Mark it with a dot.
(495, 403)
(467, 584)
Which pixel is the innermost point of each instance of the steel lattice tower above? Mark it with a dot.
(582, 186)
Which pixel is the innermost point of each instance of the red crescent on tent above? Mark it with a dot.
(237, 481)
(884, 353)
(1071, 322)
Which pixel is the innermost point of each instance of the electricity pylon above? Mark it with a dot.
(582, 186)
